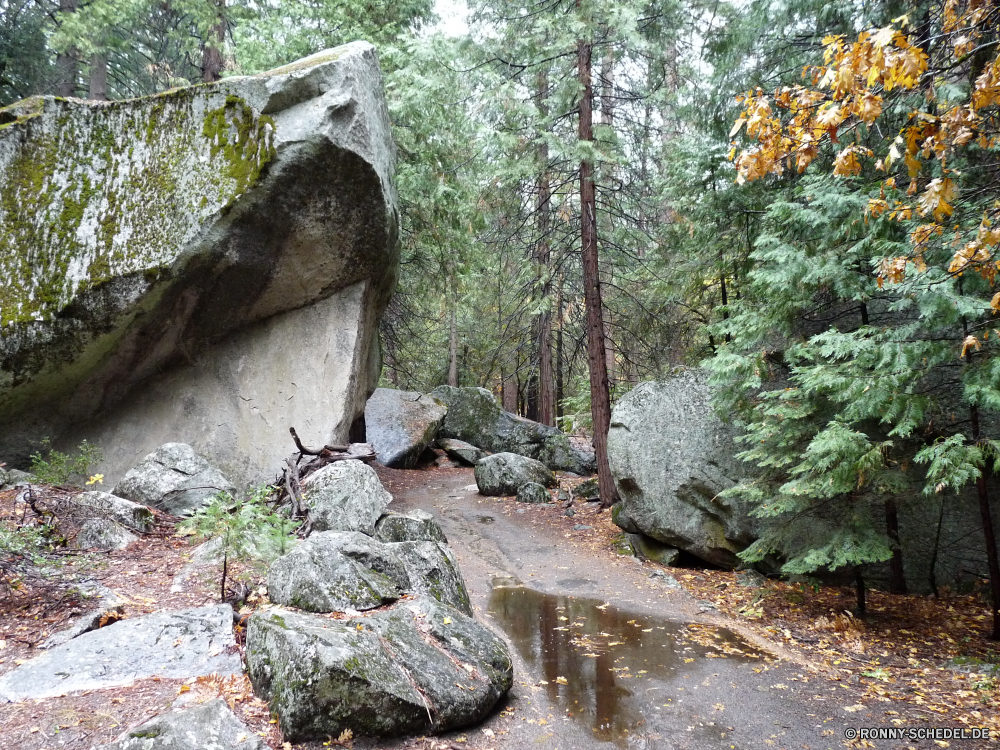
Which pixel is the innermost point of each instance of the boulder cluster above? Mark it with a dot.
(469, 426)
(370, 626)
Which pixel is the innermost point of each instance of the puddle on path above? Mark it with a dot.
(612, 670)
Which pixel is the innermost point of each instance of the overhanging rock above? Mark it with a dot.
(207, 265)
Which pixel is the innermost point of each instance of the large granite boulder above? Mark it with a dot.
(209, 726)
(416, 526)
(475, 417)
(189, 643)
(507, 473)
(230, 247)
(671, 457)
(345, 496)
(401, 425)
(336, 571)
(434, 571)
(418, 667)
(174, 479)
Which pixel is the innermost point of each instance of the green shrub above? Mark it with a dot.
(61, 468)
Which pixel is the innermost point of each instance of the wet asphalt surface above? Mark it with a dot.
(608, 657)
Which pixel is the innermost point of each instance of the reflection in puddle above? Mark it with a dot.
(608, 668)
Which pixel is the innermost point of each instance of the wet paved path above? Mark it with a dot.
(607, 657)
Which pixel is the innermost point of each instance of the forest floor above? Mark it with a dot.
(776, 665)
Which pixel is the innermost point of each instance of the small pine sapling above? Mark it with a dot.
(246, 527)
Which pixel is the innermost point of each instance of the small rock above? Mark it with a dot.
(505, 473)
(534, 493)
(587, 491)
(415, 526)
(102, 534)
(131, 515)
(704, 606)
(107, 603)
(569, 513)
(461, 451)
(647, 548)
(209, 725)
(521, 510)
(345, 496)
(174, 479)
(582, 527)
(16, 477)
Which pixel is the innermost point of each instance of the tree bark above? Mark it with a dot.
(66, 62)
(453, 333)
(992, 562)
(543, 324)
(508, 393)
(99, 78)
(211, 51)
(600, 396)
(897, 581)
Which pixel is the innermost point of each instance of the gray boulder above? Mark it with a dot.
(434, 571)
(105, 505)
(207, 265)
(102, 534)
(335, 571)
(587, 491)
(401, 425)
(671, 457)
(189, 643)
(506, 473)
(209, 726)
(461, 451)
(174, 479)
(474, 416)
(17, 477)
(415, 526)
(345, 496)
(647, 548)
(532, 492)
(418, 667)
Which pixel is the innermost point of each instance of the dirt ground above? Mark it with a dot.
(797, 671)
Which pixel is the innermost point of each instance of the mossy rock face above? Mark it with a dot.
(415, 668)
(336, 571)
(135, 235)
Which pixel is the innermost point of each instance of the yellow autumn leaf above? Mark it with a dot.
(447, 621)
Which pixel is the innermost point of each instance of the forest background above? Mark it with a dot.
(800, 195)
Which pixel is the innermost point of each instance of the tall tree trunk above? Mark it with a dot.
(67, 62)
(859, 588)
(508, 393)
(99, 78)
(559, 347)
(211, 51)
(600, 396)
(897, 581)
(453, 346)
(992, 562)
(543, 323)
(452, 326)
